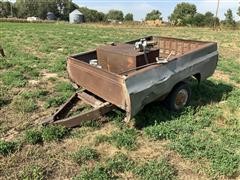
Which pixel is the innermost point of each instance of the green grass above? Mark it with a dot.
(7, 147)
(35, 94)
(4, 96)
(93, 123)
(24, 105)
(206, 133)
(13, 79)
(200, 146)
(46, 134)
(189, 138)
(101, 139)
(116, 165)
(230, 67)
(125, 138)
(54, 133)
(33, 136)
(97, 173)
(80, 133)
(63, 87)
(84, 155)
(35, 172)
(156, 169)
(59, 66)
(120, 163)
(234, 100)
(188, 123)
(62, 91)
(56, 101)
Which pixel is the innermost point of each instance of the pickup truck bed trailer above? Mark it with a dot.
(131, 87)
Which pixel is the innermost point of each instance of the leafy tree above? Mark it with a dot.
(153, 15)
(46, 6)
(61, 8)
(206, 19)
(5, 8)
(238, 13)
(210, 20)
(199, 19)
(115, 15)
(26, 8)
(65, 7)
(91, 15)
(128, 17)
(229, 21)
(183, 14)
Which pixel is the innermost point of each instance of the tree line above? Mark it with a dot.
(184, 13)
(38, 8)
(60, 8)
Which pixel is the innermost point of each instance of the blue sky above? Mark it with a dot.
(141, 7)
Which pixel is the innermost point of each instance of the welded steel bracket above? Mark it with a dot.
(100, 108)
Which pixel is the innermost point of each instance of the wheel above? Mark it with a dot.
(179, 97)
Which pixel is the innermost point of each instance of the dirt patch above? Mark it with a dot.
(60, 49)
(10, 135)
(34, 52)
(149, 150)
(33, 82)
(186, 168)
(219, 75)
(107, 150)
(47, 75)
(88, 138)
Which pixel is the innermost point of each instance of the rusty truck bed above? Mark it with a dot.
(133, 89)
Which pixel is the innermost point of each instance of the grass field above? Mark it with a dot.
(202, 142)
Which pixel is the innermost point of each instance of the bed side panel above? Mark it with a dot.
(108, 86)
(154, 82)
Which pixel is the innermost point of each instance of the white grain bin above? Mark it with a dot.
(76, 17)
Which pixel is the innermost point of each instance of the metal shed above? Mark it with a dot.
(51, 16)
(76, 17)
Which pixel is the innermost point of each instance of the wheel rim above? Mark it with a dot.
(181, 99)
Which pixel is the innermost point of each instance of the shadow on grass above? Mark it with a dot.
(206, 93)
(4, 102)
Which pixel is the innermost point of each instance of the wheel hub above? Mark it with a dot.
(181, 98)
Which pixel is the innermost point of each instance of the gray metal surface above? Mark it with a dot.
(51, 16)
(158, 81)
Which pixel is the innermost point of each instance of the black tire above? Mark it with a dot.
(179, 97)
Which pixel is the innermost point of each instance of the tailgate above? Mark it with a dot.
(108, 86)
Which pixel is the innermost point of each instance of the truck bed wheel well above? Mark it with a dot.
(198, 77)
(179, 97)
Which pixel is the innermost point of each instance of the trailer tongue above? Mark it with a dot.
(131, 75)
(99, 109)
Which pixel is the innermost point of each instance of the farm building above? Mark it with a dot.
(76, 17)
(31, 19)
(51, 16)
